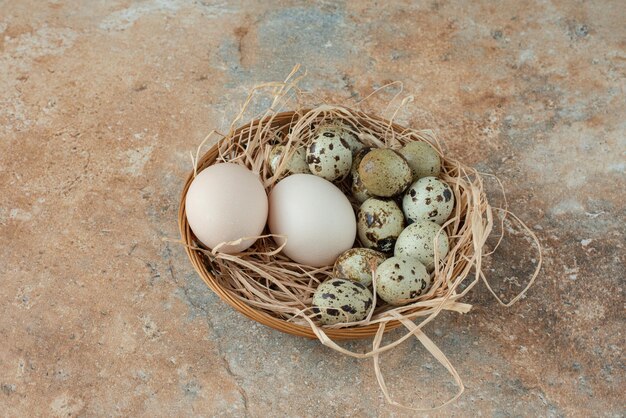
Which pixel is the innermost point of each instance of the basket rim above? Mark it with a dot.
(198, 259)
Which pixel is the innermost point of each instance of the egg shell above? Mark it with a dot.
(384, 172)
(297, 160)
(422, 158)
(315, 216)
(356, 264)
(428, 199)
(358, 189)
(418, 241)
(344, 131)
(329, 155)
(226, 202)
(399, 279)
(379, 223)
(357, 158)
(353, 142)
(341, 301)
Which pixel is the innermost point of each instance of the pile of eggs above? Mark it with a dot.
(402, 202)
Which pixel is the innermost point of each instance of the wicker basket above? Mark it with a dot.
(202, 264)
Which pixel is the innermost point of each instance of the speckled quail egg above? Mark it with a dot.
(358, 188)
(344, 131)
(422, 158)
(329, 155)
(296, 165)
(418, 241)
(399, 279)
(428, 199)
(356, 264)
(379, 222)
(341, 300)
(353, 142)
(384, 172)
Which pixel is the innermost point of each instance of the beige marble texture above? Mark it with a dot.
(100, 103)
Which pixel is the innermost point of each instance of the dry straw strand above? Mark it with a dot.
(269, 288)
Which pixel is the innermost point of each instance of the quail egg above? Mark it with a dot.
(358, 189)
(353, 142)
(384, 172)
(379, 222)
(344, 132)
(356, 264)
(428, 199)
(399, 279)
(418, 241)
(297, 162)
(422, 158)
(329, 155)
(341, 300)
(356, 160)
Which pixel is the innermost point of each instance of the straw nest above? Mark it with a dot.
(271, 289)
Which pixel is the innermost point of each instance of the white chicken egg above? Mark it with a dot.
(314, 217)
(226, 202)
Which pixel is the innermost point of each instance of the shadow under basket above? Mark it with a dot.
(201, 263)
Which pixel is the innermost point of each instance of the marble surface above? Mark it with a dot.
(100, 103)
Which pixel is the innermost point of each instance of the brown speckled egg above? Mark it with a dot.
(297, 162)
(340, 301)
(344, 131)
(399, 279)
(329, 155)
(428, 199)
(353, 142)
(422, 158)
(358, 188)
(356, 264)
(418, 241)
(379, 222)
(384, 172)
(356, 160)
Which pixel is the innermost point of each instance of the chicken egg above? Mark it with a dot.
(226, 202)
(314, 217)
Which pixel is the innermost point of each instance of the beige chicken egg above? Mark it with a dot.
(418, 241)
(313, 218)
(357, 263)
(224, 203)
